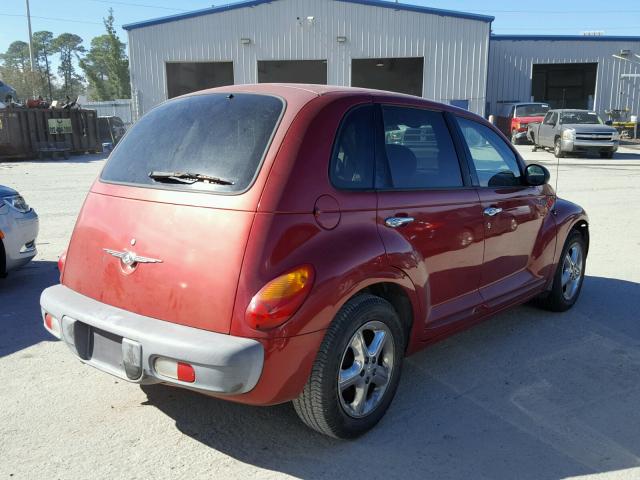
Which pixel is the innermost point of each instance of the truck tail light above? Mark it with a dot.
(279, 299)
(174, 369)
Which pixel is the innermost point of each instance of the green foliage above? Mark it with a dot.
(106, 66)
(69, 46)
(16, 69)
(42, 50)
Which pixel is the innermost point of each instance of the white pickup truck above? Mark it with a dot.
(574, 131)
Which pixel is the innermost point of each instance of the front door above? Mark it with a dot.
(513, 215)
(547, 130)
(429, 217)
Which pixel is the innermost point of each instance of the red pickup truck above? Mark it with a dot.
(514, 118)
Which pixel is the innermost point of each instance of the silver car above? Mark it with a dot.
(18, 231)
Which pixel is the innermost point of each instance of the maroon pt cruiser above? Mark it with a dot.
(275, 243)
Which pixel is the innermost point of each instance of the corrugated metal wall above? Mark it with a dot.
(511, 65)
(455, 49)
(119, 108)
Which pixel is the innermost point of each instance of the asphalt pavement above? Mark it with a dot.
(526, 395)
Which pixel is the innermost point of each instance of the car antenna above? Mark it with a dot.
(556, 187)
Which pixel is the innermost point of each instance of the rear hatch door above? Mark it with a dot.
(163, 231)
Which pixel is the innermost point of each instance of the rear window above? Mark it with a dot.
(217, 135)
(532, 110)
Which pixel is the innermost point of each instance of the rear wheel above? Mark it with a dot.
(557, 149)
(567, 281)
(514, 137)
(357, 369)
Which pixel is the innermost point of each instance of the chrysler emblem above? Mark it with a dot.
(130, 258)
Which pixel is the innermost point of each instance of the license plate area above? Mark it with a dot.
(105, 350)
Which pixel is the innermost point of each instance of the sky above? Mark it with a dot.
(84, 17)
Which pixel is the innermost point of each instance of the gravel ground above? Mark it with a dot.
(527, 395)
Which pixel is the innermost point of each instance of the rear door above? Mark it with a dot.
(429, 216)
(512, 212)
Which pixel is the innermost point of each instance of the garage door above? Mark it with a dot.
(565, 85)
(292, 71)
(187, 77)
(402, 75)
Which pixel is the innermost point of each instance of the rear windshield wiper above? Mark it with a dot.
(186, 177)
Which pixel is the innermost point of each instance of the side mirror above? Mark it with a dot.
(536, 175)
(609, 122)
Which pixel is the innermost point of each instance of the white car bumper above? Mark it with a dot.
(18, 233)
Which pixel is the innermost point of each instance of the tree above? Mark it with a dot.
(69, 46)
(16, 69)
(106, 65)
(42, 46)
(95, 68)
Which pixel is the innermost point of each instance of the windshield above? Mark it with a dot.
(218, 135)
(532, 110)
(580, 117)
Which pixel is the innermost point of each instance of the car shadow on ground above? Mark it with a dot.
(528, 394)
(20, 319)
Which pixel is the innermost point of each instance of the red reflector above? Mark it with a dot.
(48, 321)
(186, 373)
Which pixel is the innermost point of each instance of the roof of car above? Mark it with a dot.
(302, 91)
(562, 110)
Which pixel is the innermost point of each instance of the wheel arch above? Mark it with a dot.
(399, 298)
(569, 217)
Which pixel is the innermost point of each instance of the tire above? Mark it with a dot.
(606, 154)
(514, 137)
(335, 411)
(557, 300)
(557, 149)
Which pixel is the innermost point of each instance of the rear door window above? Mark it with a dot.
(419, 150)
(220, 135)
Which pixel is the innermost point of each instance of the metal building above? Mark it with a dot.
(438, 54)
(596, 72)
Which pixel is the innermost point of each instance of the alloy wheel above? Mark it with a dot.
(572, 267)
(365, 369)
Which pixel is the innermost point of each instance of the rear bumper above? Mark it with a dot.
(102, 336)
(520, 135)
(20, 232)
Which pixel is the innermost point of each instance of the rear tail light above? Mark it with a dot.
(279, 299)
(174, 369)
(52, 324)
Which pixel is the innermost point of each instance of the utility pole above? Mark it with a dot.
(31, 77)
(30, 36)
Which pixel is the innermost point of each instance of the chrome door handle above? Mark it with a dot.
(492, 211)
(395, 222)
